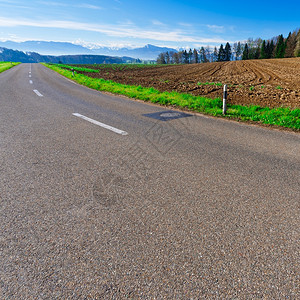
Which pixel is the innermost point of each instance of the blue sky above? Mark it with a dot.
(136, 23)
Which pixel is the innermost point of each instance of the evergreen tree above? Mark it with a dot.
(185, 57)
(245, 53)
(202, 57)
(272, 47)
(280, 47)
(221, 54)
(227, 52)
(196, 57)
(263, 50)
(257, 53)
(268, 50)
(190, 54)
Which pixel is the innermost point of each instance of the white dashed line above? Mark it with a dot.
(38, 93)
(101, 124)
(29, 76)
(30, 81)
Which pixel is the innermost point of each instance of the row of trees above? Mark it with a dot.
(277, 47)
(197, 56)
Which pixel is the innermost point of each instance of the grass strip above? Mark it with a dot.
(80, 69)
(7, 65)
(284, 117)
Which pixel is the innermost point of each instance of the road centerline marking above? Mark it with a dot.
(116, 130)
(30, 81)
(38, 93)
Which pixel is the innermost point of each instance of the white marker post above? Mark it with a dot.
(73, 72)
(224, 99)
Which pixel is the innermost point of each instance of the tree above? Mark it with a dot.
(185, 57)
(202, 56)
(190, 55)
(221, 54)
(263, 53)
(272, 47)
(297, 47)
(208, 54)
(237, 48)
(176, 58)
(180, 57)
(227, 52)
(215, 54)
(291, 43)
(167, 57)
(161, 59)
(171, 53)
(196, 56)
(245, 53)
(205, 55)
(280, 47)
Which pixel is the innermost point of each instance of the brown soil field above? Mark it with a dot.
(272, 82)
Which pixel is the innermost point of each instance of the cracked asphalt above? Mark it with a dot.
(190, 208)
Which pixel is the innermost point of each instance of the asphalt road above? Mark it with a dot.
(187, 208)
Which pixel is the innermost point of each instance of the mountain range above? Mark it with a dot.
(148, 52)
(33, 57)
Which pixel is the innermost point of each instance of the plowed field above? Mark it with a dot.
(273, 83)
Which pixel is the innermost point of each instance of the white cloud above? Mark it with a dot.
(157, 23)
(216, 28)
(61, 4)
(89, 6)
(120, 31)
(185, 24)
(51, 3)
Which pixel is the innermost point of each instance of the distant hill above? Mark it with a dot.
(33, 57)
(148, 52)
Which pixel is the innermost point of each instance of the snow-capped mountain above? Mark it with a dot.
(148, 52)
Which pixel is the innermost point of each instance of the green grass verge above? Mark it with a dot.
(284, 117)
(6, 65)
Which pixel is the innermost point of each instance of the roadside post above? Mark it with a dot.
(224, 99)
(72, 72)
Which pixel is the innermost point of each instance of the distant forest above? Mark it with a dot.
(277, 47)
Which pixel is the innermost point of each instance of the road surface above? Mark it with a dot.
(103, 197)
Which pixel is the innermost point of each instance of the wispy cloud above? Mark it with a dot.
(157, 23)
(61, 4)
(14, 4)
(120, 31)
(89, 6)
(185, 24)
(52, 3)
(216, 28)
